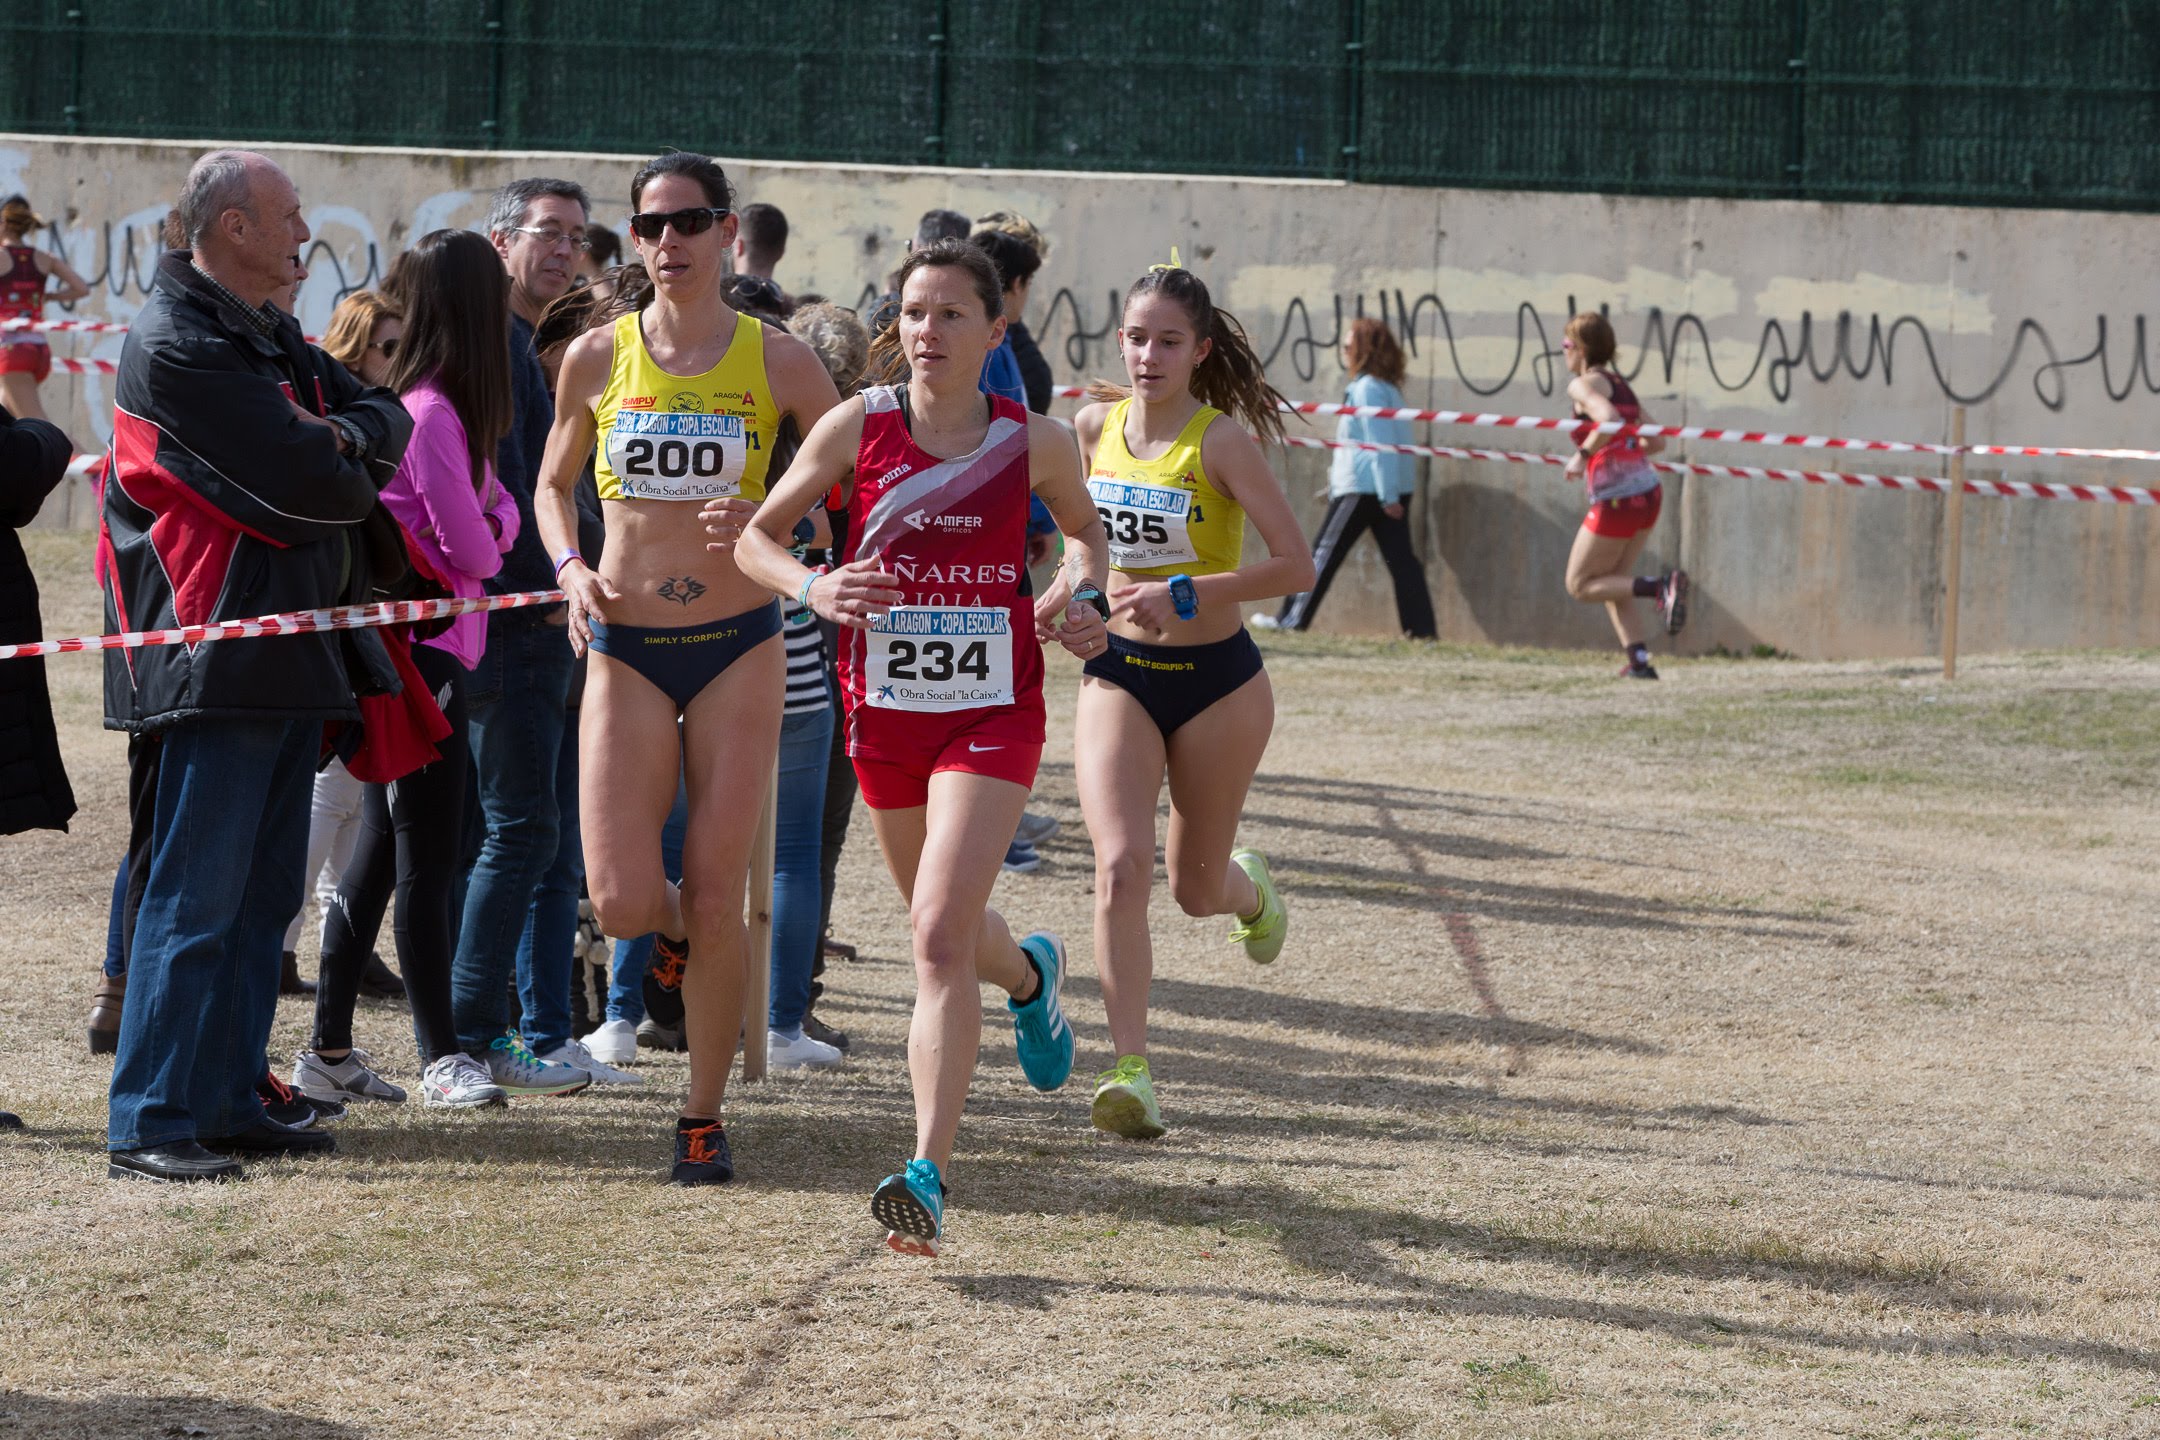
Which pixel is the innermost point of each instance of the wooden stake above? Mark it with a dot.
(757, 994)
(1953, 564)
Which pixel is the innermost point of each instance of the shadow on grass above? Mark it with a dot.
(156, 1417)
(1693, 1328)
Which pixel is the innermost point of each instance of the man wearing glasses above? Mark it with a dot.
(518, 700)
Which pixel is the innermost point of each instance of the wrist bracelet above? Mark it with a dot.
(565, 558)
(802, 596)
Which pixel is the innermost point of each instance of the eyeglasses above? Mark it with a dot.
(648, 224)
(387, 347)
(549, 236)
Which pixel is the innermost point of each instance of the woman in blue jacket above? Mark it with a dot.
(1368, 490)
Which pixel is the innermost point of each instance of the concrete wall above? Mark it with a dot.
(1841, 319)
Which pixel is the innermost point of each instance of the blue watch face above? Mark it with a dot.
(1184, 596)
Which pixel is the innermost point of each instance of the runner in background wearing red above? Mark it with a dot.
(1181, 692)
(1625, 497)
(941, 672)
(25, 357)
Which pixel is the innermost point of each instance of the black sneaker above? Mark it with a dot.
(1633, 671)
(669, 959)
(817, 1029)
(284, 1104)
(701, 1155)
(652, 1035)
(380, 981)
(1672, 598)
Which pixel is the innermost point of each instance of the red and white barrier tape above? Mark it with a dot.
(80, 327)
(1493, 421)
(292, 622)
(2022, 489)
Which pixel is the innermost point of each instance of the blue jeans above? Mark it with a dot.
(116, 923)
(548, 948)
(516, 702)
(226, 856)
(626, 978)
(798, 849)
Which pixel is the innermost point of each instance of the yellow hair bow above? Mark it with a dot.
(1175, 262)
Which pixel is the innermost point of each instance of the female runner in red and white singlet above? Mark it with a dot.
(941, 671)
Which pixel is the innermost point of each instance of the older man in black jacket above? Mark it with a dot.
(244, 479)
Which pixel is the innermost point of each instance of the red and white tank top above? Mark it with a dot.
(1618, 468)
(955, 533)
(22, 293)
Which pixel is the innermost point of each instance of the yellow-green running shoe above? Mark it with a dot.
(1125, 1101)
(1263, 934)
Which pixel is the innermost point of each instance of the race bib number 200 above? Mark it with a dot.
(938, 658)
(673, 455)
(1146, 523)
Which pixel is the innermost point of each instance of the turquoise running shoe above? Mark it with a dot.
(1044, 1038)
(1263, 934)
(911, 1207)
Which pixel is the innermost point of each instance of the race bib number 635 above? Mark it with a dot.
(1146, 524)
(938, 658)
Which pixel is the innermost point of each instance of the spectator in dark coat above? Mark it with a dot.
(34, 790)
(244, 481)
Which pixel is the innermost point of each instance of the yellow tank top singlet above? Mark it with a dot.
(685, 437)
(1163, 516)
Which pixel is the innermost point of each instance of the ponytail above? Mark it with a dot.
(1231, 378)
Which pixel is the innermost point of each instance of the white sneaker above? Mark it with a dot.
(614, 1043)
(1265, 621)
(574, 1054)
(459, 1082)
(800, 1053)
(348, 1079)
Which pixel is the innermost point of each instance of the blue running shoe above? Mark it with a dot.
(1039, 1028)
(911, 1207)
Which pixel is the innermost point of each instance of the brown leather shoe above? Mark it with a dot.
(105, 1013)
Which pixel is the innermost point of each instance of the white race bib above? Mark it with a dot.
(940, 657)
(1146, 523)
(676, 455)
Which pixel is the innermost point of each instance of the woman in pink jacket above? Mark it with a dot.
(452, 370)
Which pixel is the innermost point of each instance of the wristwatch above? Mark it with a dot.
(1184, 596)
(1087, 592)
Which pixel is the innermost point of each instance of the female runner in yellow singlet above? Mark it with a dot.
(1181, 691)
(684, 397)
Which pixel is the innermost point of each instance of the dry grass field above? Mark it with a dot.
(1769, 1051)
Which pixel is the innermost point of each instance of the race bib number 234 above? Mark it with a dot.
(939, 658)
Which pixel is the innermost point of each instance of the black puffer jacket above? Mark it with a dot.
(225, 503)
(34, 789)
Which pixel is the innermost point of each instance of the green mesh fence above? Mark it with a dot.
(2019, 102)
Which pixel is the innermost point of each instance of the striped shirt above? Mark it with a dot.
(806, 693)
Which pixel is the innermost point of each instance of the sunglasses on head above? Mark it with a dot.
(648, 224)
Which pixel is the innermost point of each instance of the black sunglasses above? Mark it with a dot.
(647, 225)
(388, 347)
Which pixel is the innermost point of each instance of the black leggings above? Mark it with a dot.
(1349, 516)
(839, 803)
(415, 825)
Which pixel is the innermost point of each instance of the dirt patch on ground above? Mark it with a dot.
(1768, 1051)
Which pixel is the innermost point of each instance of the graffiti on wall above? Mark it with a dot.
(1298, 333)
